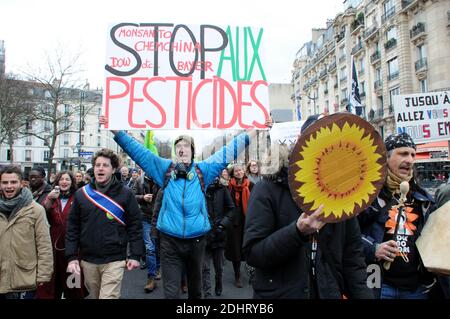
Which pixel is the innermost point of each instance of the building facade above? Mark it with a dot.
(398, 47)
(75, 147)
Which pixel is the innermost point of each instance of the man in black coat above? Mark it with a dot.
(104, 218)
(220, 209)
(300, 256)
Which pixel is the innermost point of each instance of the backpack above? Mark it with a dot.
(170, 172)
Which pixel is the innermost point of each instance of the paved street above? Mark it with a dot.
(134, 281)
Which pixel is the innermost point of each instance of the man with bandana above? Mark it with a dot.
(406, 277)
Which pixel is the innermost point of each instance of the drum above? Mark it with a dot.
(434, 242)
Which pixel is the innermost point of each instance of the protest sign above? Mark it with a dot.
(286, 132)
(425, 116)
(176, 76)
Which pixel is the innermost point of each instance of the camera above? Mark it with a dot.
(56, 189)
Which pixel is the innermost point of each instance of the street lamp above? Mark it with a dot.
(314, 98)
(82, 96)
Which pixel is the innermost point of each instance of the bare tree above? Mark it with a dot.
(16, 108)
(60, 99)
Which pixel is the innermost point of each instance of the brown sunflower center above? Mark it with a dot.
(334, 178)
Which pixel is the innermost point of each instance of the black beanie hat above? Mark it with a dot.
(399, 140)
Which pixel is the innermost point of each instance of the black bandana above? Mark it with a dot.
(394, 141)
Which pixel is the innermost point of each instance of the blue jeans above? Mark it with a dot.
(389, 292)
(150, 250)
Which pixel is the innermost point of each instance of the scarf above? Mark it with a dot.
(224, 181)
(238, 189)
(393, 181)
(39, 191)
(103, 188)
(10, 207)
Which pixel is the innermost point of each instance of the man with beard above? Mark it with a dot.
(406, 278)
(25, 247)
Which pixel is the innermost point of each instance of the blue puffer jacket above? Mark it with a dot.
(183, 212)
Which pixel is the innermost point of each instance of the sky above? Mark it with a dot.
(31, 28)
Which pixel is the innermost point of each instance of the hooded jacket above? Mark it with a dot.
(183, 212)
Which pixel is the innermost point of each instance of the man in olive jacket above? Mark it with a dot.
(26, 257)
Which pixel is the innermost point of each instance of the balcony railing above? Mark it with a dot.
(340, 36)
(388, 14)
(332, 66)
(393, 76)
(343, 78)
(370, 31)
(323, 73)
(391, 43)
(342, 57)
(416, 30)
(406, 3)
(421, 64)
(375, 57)
(27, 159)
(357, 47)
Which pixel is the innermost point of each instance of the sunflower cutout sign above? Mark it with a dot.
(339, 161)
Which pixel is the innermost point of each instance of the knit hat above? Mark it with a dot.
(394, 141)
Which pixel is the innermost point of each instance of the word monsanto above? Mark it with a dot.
(161, 75)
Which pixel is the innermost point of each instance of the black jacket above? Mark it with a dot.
(280, 255)
(99, 239)
(220, 210)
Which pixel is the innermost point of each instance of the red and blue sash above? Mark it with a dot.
(112, 209)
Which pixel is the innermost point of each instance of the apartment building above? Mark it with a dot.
(398, 46)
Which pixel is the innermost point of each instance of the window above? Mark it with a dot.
(423, 86)
(66, 109)
(66, 124)
(392, 93)
(46, 155)
(8, 155)
(66, 139)
(391, 33)
(66, 153)
(392, 69)
(378, 74)
(82, 139)
(99, 141)
(362, 88)
(46, 140)
(343, 74)
(28, 140)
(361, 66)
(47, 126)
(29, 124)
(421, 51)
(28, 155)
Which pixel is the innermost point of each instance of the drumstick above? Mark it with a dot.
(404, 189)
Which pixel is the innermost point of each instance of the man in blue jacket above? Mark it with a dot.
(183, 219)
